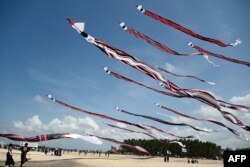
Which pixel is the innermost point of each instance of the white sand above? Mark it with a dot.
(73, 159)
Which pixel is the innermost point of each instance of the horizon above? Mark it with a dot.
(41, 54)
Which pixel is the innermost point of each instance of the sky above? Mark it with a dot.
(41, 54)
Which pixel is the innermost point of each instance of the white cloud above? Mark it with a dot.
(171, 68)
(121, 125)
(67, 124)
(40, 99)
(73, 125)
(32, 124)
(207, 112)
(243, 100)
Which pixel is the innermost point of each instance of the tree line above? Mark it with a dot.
(194, 148)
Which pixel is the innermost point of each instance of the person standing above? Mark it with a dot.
(24, 151)
(9, 159)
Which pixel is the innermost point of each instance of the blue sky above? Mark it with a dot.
(40, 54)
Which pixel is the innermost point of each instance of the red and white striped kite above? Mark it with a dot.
(157, 131)
(93, 113)
(199, 119)
(221, 102)
(154, 43)
(187, 76)
(138, 148)
(130, 60)
(140, 126)
(207, 53)
(129, 130)
(183, 29)
(46, 137)
(162, 121)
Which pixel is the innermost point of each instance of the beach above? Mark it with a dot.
(73, 159)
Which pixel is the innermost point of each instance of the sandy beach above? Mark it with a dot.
(39, 159)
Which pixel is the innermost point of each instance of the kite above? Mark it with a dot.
(199, 119)
(179, 143)
(122, 143)
(161, 121)
(188, 76)
(155, 131)
(130, 60)
(159, 45)
(93, 113)
(221, 103)
(140, 126)
(151, 131)
(138, 83)
(45, 137)
(172, 141)
(129, 130)
(152, 42)
(207, 53)
(183, 29)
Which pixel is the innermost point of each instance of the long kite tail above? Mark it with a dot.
(121, 77)
(95, 114)
(209, 99)
(187, 76)
(129, 130)
(154, 130)
(200, 95)
(130, 60)
(233, 106)
(206, 52)
(179, 143)
(198, 119)
(90, 139)
(183, 29)
(91, 113)
(16, 137)
(163, 121)
(125, 58)
(46, 137)
(42, 137)
(122, 143)
(149, 40)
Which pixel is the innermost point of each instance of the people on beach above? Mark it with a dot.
(9, 159)
(24, 151)
(165, 157)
